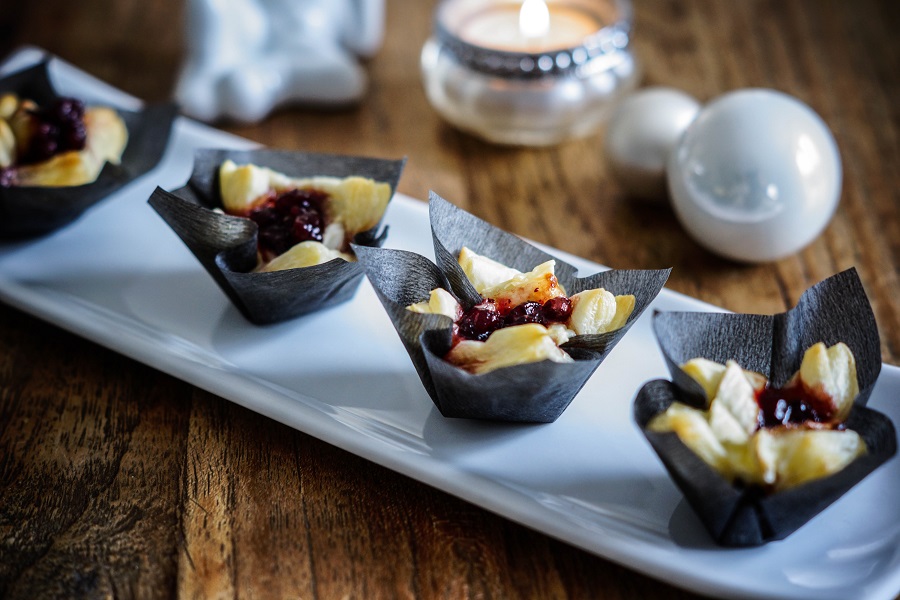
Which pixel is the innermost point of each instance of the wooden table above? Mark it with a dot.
(118, 480)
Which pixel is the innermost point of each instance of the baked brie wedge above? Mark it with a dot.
(63, 144)
(530, 313)
(776, 438)
(319, 214)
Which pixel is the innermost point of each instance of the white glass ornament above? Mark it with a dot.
(756, 176)
(641, 133)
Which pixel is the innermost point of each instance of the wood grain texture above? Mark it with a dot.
(119, 481)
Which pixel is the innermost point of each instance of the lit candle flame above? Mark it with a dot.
(534, 18)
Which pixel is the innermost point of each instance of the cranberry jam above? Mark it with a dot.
(58, 127)
(791, 406)
(484, 318)
(289, 218)
(7, 176)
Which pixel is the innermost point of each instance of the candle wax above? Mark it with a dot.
(497, 28)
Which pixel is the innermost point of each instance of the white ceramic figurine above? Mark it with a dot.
(245, 57)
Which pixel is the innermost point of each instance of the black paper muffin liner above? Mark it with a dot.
(534, 392)
(27, 211)
(226, 245)
(835, 310)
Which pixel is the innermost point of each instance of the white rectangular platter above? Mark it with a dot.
(120, 277)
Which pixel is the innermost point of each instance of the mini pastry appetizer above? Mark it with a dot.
(59, 158)
(772, 437)
(302, 221)
(62, 143)
(491, 335)
(522, 317)
(770, 426)
(275, 228)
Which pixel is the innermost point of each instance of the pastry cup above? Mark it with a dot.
(835, 310)
(534, 392)
(27, 211)
(226, 245)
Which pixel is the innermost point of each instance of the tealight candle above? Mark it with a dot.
(528, 73)
(529, 27)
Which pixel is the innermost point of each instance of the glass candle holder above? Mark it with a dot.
(491, 73)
